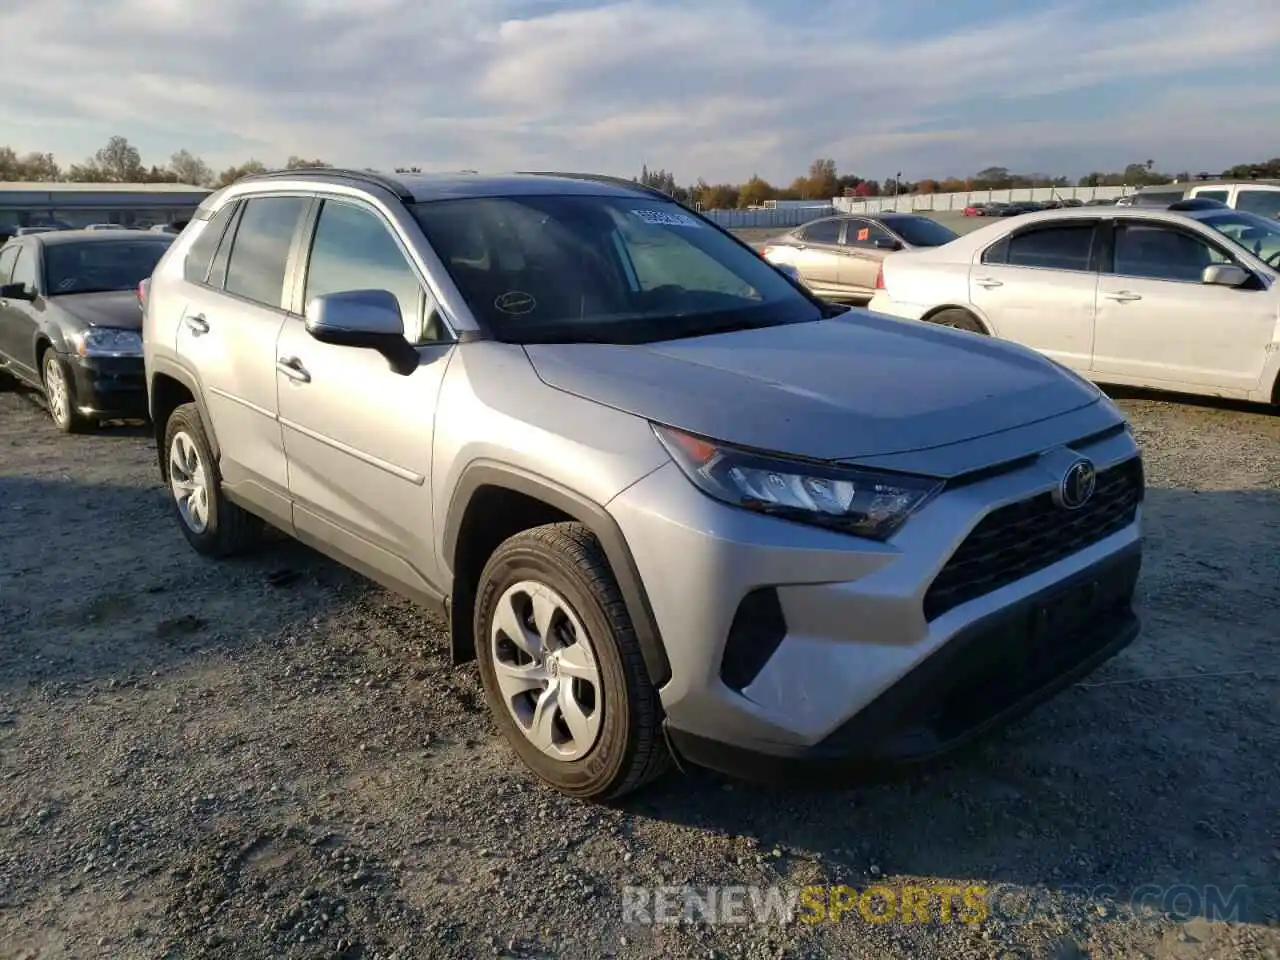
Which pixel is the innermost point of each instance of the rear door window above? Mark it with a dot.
(1265, 203)
(824, 231)
(1064, 247)
(260, 250)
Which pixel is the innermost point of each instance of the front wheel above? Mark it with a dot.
(561, 666)
(212, 524)
(60, 397)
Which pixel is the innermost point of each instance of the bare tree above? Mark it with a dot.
(299, 163)
(232, 174)
(119, 160)
(188, 168)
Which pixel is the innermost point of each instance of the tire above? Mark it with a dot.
(958, 320)
(213, 525)
(564, 564)
(59, 395)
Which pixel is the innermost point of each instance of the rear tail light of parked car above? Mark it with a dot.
(142, 293)
(880, 278)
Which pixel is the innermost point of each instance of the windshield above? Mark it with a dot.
(920, 231)
(1258, 235)
(603, 269)
(100, 266)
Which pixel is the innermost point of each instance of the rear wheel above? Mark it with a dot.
(958, 320)
(561, 666)
(212, 524)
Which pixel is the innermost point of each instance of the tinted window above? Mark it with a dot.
(1160, 198)
(354, 250)
(24, 270)
(824, 231)
(260, 250)
(1214, 194)
(6, 263)
(196, 266)
(920, 231)
(1159, 253)
(1053, 248)
(1265, 203)
(864, 233)
(603, 269)
(99, 267)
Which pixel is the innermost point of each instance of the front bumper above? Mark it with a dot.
(109, 387)
(989, 674)
(874, 655)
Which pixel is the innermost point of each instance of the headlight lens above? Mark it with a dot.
(865, 503)
(108, 342)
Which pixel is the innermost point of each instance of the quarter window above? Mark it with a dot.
(196, 267)
(260, 251)
(354, 250)
(1159, 253)
(824, 231)
(1064, 247)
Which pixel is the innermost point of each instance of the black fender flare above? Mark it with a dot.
(162, 366)
(479, 474)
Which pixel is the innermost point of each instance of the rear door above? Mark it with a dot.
(228, 336)
(817, 255)
(1159, 325)
(861, 257)
(1038, 285)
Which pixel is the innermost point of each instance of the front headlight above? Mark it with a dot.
(865, 503)
(108, 342)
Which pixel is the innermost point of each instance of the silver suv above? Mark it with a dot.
(673, 504)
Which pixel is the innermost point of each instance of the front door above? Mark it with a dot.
(1038, 286)
(11, 319)
(358, 435)
(1159, 325)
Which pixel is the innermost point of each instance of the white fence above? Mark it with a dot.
(943, 202)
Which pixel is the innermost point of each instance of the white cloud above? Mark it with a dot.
(720, 89)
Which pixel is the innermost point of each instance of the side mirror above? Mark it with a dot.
(1225, 275)
(16, 291)
(364, 319)
(888, 243)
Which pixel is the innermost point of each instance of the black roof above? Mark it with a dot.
(58, 237)
(427, 187)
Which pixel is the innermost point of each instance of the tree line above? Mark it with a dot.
(824, 181)
(118, 161)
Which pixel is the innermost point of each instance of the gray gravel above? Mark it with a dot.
(270, 757)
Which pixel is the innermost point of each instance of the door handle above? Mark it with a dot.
(292, 368)
(988, 282)
(1124, 296)
(197, 324)
(802, 246)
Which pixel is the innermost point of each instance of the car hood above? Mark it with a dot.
(117, 308)
(856, 386)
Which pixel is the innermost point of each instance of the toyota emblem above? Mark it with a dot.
(1077, 485)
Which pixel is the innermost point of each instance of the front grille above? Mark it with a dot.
(1017, 540)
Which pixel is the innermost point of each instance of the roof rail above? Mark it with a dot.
(364, 176)
(600, 178)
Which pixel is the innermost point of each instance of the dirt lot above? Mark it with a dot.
(271, 758)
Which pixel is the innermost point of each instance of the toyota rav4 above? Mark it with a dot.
(674, 505)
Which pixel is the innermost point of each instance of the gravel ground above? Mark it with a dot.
(270, 757)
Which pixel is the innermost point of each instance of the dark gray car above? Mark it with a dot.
(70, 320)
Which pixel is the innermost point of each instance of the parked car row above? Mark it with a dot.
(1184, 297)
(999, 208)
(674, 503)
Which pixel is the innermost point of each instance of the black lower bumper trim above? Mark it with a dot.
(990, 674)
(110, 387)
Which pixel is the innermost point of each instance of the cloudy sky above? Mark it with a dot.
(718, 89)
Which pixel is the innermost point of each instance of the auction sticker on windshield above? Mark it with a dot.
(664, 219)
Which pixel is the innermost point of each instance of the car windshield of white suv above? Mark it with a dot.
(1258, 235)
(539, 269)
(98, 267)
